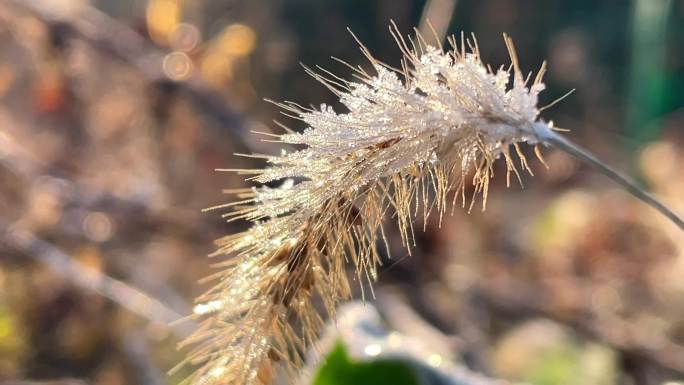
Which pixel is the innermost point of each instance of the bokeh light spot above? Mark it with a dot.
(162, 18)
(237, 40)
(185, 37)
(177, 66)
(97, 227)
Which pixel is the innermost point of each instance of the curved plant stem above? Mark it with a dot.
(627, 183)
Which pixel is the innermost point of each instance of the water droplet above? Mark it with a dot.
(372, 350)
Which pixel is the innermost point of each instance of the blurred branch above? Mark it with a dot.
(136, 348)
(118, 291)
(402, 318)
(135, 212)
(69, 381)
(114, 38)
(437, 15)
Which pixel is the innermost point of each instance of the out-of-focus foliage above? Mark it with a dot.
(363, 348)
(543, 353)
(11, 342)
(339, 369)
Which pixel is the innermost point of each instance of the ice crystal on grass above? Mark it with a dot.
(410, 142)
(443, 116)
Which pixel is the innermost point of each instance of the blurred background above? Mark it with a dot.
(114, 114)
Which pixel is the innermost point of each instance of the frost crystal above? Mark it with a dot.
(442, 118)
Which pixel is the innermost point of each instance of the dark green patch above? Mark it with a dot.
(339, 369)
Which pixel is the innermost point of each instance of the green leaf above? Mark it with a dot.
(340, 369)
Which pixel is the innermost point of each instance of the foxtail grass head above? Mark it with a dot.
(410, 142)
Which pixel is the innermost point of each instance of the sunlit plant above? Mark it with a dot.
(412, 141)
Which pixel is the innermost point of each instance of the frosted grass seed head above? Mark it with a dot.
(437, 123)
